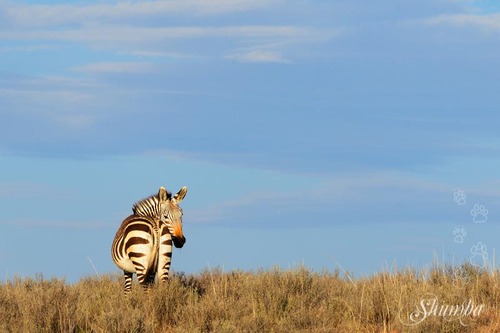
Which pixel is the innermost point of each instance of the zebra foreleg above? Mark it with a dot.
(165, 255)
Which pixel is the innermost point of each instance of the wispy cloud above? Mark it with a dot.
(55, 223)
(22, 190)
(489, 22)
(146, 29)
(258, 56)
(41, 94)
(379, 192)
(116, 67)
(60, 14)
(115, 34)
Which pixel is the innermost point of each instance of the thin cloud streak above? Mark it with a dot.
(184, 41)
(132, 34)
(335, 195)
(117, 67)
(23, 190)
(259, 56)
(55, 224)
(44, 96)
(56, 15)
(490, 22)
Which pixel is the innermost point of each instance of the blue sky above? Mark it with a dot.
(327, 133)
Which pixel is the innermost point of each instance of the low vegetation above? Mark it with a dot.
(276, 300)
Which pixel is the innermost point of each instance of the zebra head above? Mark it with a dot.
(171, 214)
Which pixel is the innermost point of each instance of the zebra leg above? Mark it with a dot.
(164, 255)
(149, 281)
(143, 277)
(146, 274)
(128, 282)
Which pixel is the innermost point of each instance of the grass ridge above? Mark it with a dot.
(273, 300)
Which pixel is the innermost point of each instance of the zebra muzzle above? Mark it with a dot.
(179, 241)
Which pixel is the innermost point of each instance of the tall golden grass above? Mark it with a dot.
(275, 300)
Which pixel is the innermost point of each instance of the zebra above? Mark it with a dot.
(143, 243)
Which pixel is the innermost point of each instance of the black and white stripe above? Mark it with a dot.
(143, 243)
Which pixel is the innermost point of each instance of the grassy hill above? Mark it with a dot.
(440, 299)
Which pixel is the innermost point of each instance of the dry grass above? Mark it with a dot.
(276, 300)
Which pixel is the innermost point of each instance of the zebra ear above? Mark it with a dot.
(181, 194)
(162, 194)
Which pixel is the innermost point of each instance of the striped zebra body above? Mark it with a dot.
(143, 243)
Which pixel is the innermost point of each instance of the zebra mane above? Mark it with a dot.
(149, 206)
